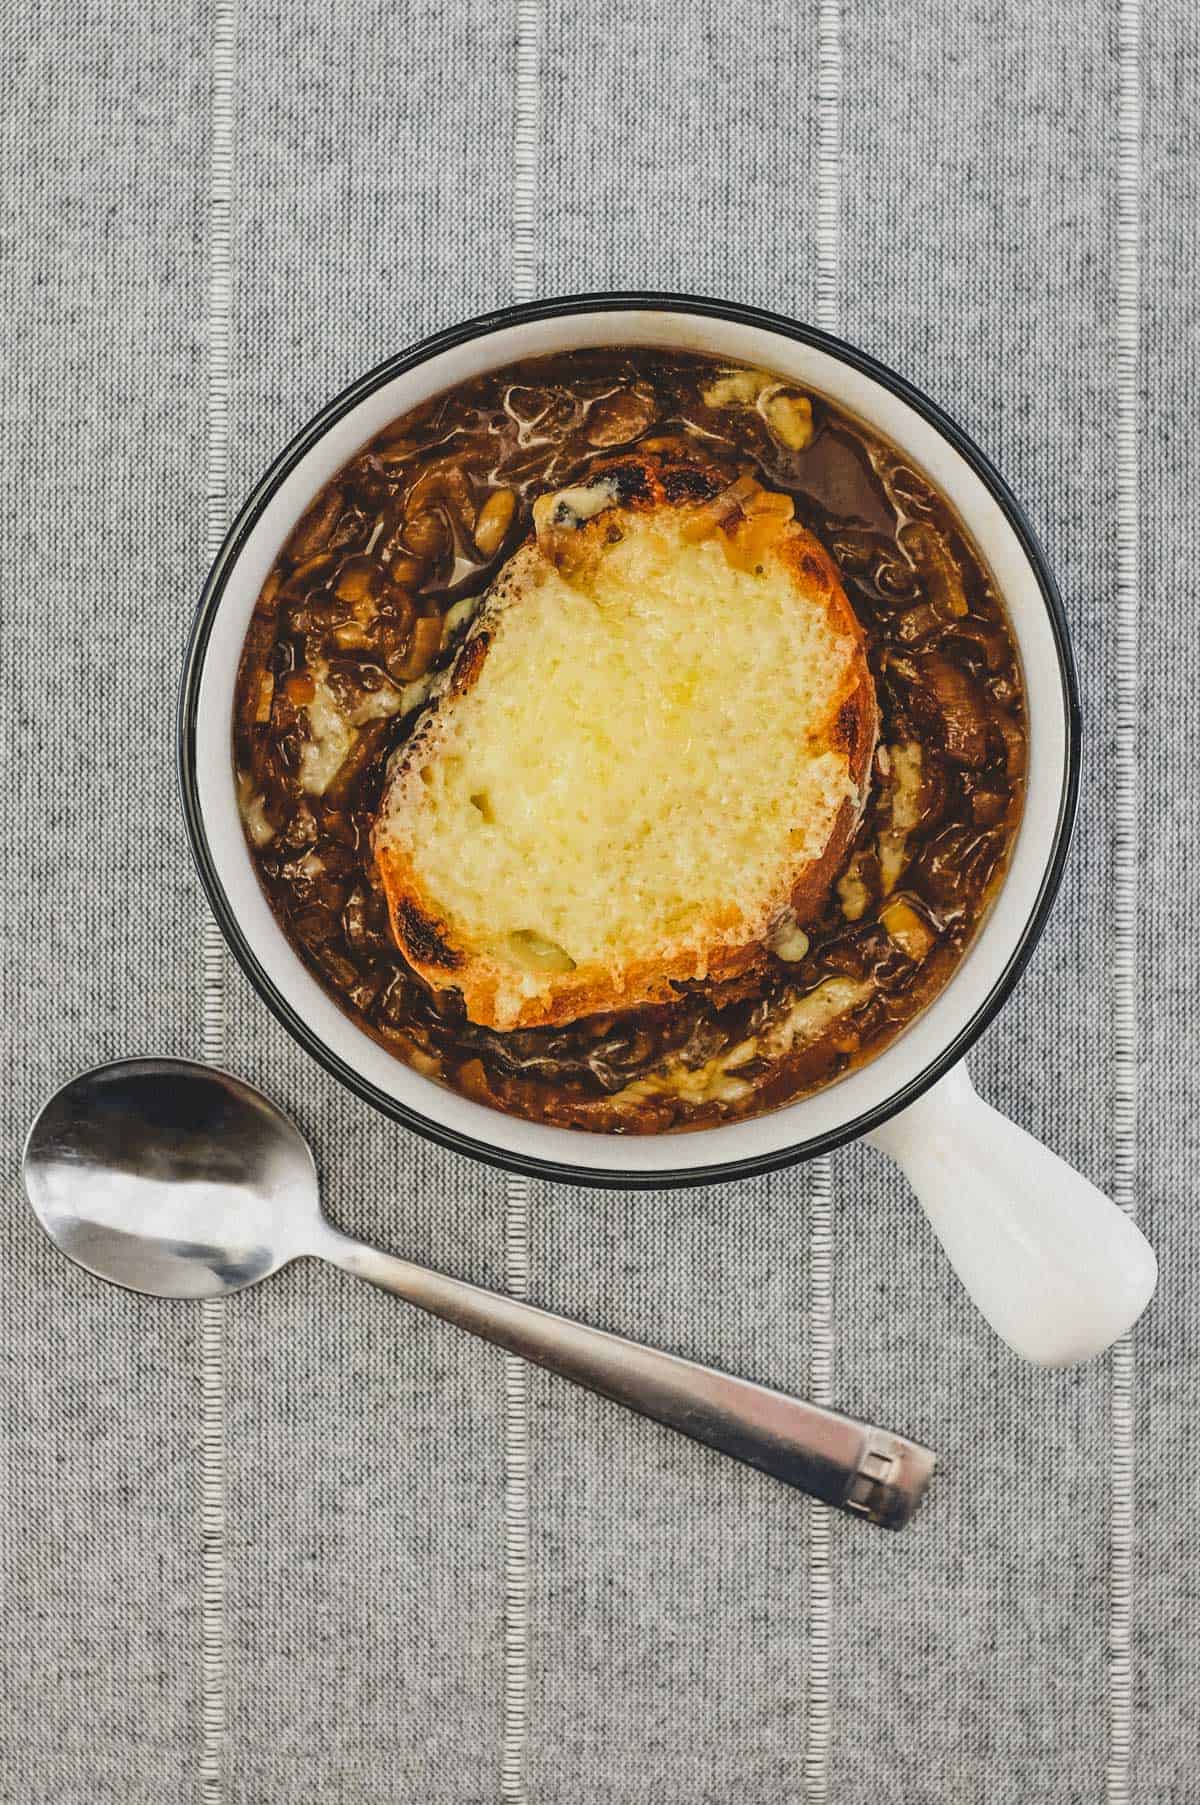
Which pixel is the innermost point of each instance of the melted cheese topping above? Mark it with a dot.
(798, 1026)
(905, 796)
(252, 807)
(330, 737)
(634, 763)
(332, 731)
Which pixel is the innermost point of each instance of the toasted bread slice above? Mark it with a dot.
(646, 762)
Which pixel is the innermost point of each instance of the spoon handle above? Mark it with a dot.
(866, 1471)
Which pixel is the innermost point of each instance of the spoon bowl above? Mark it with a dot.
(171, 1179)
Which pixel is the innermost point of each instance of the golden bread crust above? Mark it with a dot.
(848, 726)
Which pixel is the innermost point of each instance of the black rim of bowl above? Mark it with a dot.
(565, 307)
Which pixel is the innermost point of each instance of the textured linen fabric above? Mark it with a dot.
(998, 225)
(669, 1639)
(365, 1583)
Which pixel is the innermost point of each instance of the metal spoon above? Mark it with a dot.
(181, 1181)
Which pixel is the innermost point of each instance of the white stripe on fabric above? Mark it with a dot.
(526, 135)
(515, 1727)
(818, 1728)
(818, 1717)
(213, 1663)
(1125, 883)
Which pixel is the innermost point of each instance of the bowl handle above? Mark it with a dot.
(1056, 1268)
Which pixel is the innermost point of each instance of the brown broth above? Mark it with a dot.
(360, 596)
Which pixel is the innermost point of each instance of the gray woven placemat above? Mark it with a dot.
(305, 1547)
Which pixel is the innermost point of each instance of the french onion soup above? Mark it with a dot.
(630, 740)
